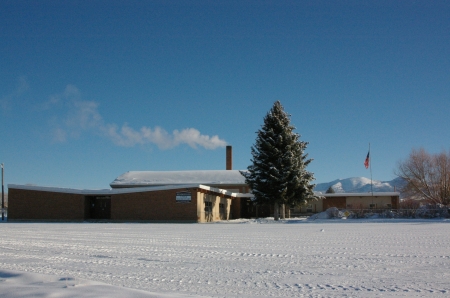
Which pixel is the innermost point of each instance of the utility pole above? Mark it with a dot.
(3, 196)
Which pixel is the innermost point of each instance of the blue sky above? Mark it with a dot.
(92, 89)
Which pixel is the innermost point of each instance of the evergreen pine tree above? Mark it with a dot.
(278, 174)
(330, 190)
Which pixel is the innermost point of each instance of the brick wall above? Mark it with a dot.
(338, 202)
(158, 206)
(153, 206)
(42, 205)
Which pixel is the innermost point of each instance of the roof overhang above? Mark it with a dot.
(106, 192)
(361, 194)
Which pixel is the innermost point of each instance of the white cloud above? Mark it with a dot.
(127, 136)
(84, 116)
(192, 137)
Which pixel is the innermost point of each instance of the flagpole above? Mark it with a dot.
(370, 165)
(3, 196)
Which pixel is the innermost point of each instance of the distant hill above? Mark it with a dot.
(360, 184)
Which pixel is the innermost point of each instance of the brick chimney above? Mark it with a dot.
(229, 165)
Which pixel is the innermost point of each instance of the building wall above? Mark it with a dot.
(361, 202)
(338, 202)
(365, 202)
(235, 208)
(212, 207)
(315, 206)
(395, 201)
(159, 206)
(42, 205)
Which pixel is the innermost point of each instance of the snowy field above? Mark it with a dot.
(247, 258)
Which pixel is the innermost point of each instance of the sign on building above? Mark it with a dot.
(183, 197)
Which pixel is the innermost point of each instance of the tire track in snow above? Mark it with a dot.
(239, 260)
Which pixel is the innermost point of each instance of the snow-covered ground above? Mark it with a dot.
(243, 258)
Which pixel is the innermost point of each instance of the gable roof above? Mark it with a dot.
(158, 178)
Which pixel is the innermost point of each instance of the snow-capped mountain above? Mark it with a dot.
(360, 184)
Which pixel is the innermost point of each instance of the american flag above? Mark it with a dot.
(366, 162)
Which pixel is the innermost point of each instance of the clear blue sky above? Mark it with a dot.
(92, 89)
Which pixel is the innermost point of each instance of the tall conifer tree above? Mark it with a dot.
(278, 174)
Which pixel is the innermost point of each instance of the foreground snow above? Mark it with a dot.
(23, 284)
(245, 258)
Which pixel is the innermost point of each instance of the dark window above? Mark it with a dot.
(208, 206)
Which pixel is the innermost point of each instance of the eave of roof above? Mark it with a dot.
(128, 190)
(361, 194)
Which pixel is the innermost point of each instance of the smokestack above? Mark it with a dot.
(229, 165)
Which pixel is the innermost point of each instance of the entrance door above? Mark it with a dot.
(100, 207)
(250, 209)
(247, 208)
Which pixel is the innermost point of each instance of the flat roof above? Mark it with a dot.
(204, 177)
(361, 194)
(129, 190)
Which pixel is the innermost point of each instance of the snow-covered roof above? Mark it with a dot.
(361, 194)
(154, 178)
(128, 190)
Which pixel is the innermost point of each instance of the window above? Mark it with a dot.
(372, 206)
(389, 206)
(309, 208)
(222, 213)
(208, 206)
(349, 206)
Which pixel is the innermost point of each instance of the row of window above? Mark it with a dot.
(208, 207)
(309, 208)
(371, 206)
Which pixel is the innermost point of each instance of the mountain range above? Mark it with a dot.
(360, 185)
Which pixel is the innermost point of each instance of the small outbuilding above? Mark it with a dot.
(353, 201)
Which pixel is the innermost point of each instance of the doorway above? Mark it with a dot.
(99, 207)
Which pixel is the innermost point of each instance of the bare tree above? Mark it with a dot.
(427, 176)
